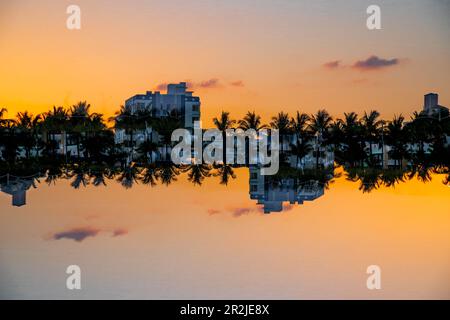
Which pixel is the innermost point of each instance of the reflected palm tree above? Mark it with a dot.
(392, 177)
(421, 171)
(197, 172)
(55, 172)
(370, 179)
(79, 173)
(224, 172)
(167, 172)
(149, 175)
(128, 176)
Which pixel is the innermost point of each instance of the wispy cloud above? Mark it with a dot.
(77, 234)
(375, 63)
(207, 84)
(332, 65)
(371, 63)
(213, 211)
(237, 83)
(119, 232)
(80, 234)
(213, 83)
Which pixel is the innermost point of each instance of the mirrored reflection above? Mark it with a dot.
(290, 186)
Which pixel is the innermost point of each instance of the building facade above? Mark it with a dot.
(176, 99)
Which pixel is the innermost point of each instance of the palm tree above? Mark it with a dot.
(396, 138)
(55, 121)
(223, 123)
(353, 150)
(198, 172)
(165, 127)
(251, 121)
(372, 128)
(147, 148)
(300, 125)
(224, 172)
(127, 121)
(282, 123)
(167, 172)
(10, 142)
(2, 113)
(129, 176)
(301, 149)
(149, 175)
(421, 130)
(319, 125)
(28, 127)
(79, 118)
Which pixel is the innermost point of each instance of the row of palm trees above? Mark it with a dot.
(36, 133)
(351, 137)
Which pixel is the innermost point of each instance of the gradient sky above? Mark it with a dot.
(240, 55)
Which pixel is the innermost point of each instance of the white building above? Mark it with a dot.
(177, 98)
(431, 105)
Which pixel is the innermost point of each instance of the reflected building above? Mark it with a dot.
(272, 193)
(17, 188)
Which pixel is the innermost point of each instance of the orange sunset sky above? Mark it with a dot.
(258, 55)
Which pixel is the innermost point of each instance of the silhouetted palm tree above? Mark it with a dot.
(353, 146)
(300, 124)
(251, 121)
(223, 123)
(165, 127)
(397, 140)
(28, 127)
(55, 121)
(301, 149)
(319, 125)
(372, 128)
(282, 123)
(127, 121)
(79, 118)
(146, 149)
